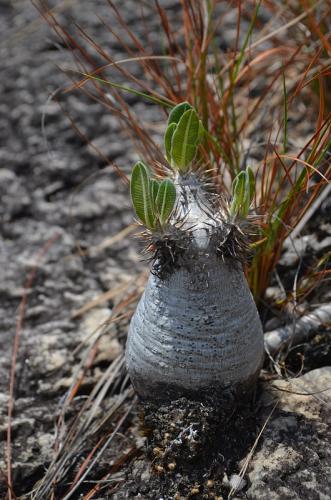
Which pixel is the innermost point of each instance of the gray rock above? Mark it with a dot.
(295, 249)
(293, 460)
(13, 195)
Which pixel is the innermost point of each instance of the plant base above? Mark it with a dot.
(194, 446)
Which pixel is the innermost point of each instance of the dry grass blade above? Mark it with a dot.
(83, 427)
(78, 85)
(5, 478)
(19, 327)
(90, 422)
(288, 25)
(251, 453)
(321, 391)
(108, 242)
(101, 451)
(101, 299)
(112, 477)
(12, 38)
(121, 174)
(306, 388)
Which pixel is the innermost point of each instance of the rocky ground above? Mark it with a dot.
(56, 191)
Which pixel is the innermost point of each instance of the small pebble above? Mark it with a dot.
(237, 482)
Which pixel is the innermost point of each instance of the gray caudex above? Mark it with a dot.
(196, 331)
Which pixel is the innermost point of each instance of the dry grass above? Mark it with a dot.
(286, 58)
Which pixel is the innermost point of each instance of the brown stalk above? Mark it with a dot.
(173, 46)
(153, 69)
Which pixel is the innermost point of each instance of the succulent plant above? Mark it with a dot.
(196, 330)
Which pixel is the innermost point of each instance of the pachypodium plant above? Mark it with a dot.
(196, 330)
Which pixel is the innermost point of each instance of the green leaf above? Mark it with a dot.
(141, 194)
(167, 140)
(177, 112)
(238, 193)
(250, 183)
(249, 191)
(165, 200)
(154, 188)
(243, 188)
(185, 140)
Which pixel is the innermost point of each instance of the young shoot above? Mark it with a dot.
(183, 136)
(243, 189)
(153, 200)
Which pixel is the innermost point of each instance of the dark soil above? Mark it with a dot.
(193, 446)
